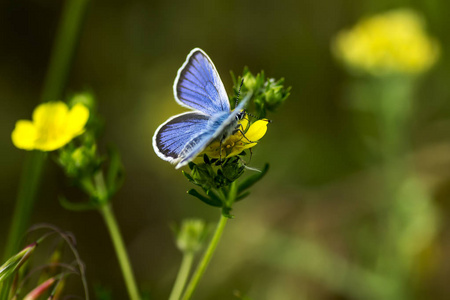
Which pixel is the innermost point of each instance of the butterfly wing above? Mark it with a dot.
(198, 85)
(194, 147)
(171, 138)
(221, 126)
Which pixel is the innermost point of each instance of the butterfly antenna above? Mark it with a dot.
(253, 116)
(237, 99)
(239, 93)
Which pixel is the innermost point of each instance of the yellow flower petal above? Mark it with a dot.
(237, 143)
(53, 126)
(392, 42)
(246, 146)
(51, 114)
(24, 135)
(236, 150)
(244, 124)
(53, 143)
(77, 118)
(257, 130)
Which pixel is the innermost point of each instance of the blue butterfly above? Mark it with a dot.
(197, 86)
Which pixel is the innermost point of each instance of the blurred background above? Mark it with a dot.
(318, 226)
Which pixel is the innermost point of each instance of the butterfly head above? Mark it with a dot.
(241, 115)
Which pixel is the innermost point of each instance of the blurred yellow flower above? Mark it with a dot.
(53, 126)
(237, 143)
(393, 42)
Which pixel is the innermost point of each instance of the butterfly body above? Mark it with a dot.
(197, 86)
(230, 125)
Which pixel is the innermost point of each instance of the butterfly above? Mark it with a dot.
(197, 86)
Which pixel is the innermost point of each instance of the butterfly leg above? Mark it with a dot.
(243, 135)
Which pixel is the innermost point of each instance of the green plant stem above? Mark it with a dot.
(28, 187)
(395, 113)
(63, 49)
(24, 205)
(107, 213)
(121, 252)
(201, 268)
(102, 192)
(183, 273)
(55, 81)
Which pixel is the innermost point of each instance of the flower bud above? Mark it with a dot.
(40, 289)
(191, 235)
(250, 82)
(77, 161)
(87, 99)
(203, 175)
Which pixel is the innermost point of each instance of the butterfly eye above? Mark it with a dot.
(240, 115)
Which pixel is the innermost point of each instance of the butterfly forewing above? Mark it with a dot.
(198, 85)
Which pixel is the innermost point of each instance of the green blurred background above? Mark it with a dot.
(310, 228)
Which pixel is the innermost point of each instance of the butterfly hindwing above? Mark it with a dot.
(198, 85)
(194, 147)
(172, 136)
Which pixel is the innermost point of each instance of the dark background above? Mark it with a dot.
(322, 179)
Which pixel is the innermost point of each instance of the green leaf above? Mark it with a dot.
(226, 212)
(242, 196)
(76, 206)
(85, 184)
(204, 176)
(115, 177)
(232, 169)
(251, 180)
(204, 199)
(213, 195)
(15, 262)
(189, 177)
(233, 78)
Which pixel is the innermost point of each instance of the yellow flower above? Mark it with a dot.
(237, 143)
(393, 42)
(53, 126)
